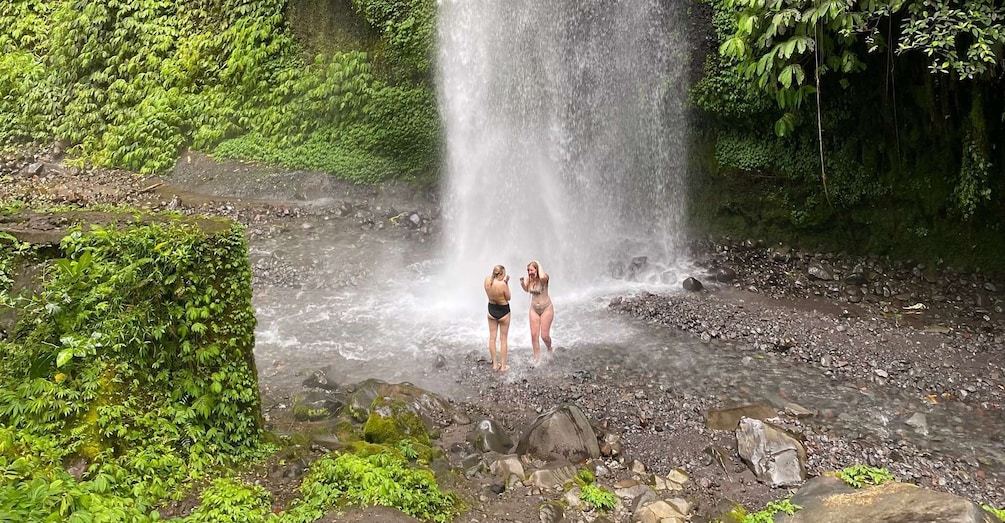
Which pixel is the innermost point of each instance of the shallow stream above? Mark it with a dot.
(375, 304)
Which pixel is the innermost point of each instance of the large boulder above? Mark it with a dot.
(361, 397)
(561, 433)
(433, 410)
(393, 420)
(827, 499)
(776, 458)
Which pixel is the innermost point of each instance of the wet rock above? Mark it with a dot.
(561, 433)
(692, 284)
(775, 457)
(489, 436)
(729, 419)
(636, 267)
(616, 270)
(888, 502)
(920, 423)
(724, 275)
(319, 379)
(820, 271)
(553, 475)
(392, 420)
(314, 405)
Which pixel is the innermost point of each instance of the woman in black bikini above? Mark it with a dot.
(497, 290)
(541, 310)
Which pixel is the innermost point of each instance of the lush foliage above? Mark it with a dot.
(777, 42)
(229, 500)
(599, 498)
(378, 478)
(592, 495)
(865, 162)
(858, 476)
(407, 29)
(1000, 513)
(765, 515)
(130, 83)
(133, 360)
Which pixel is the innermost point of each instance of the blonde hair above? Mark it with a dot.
(497, 270)
(536, 266)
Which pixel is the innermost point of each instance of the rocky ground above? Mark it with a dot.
(864, 323)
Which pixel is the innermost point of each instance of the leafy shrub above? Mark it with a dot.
(858, 476)
(598, 497)
(765, 515)
(381, 478)
(229, 500)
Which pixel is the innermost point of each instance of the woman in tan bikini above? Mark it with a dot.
(497, 290)
(541, 310)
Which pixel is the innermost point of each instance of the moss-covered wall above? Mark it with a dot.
(133, 349)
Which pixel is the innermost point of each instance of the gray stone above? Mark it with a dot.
(507, 466)
(920, 423)
(488, 435)
(319, 379)
(659, 512)
(725, 275)
(554, 475)
(820, 271)
(827, 499)
(552, 512)
(692, 284)
(776, 458)
(561, 433)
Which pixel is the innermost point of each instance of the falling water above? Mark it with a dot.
(565, 136)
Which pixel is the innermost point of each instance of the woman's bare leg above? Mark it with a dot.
(546, 319)
(493, 328)
(535, 334)
(503, 342)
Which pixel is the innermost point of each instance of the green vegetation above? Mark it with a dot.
(592, 495)
(378, 478)
(129, 380)
(808, 149)
(228, 499)
(598, 498)
(131, 83)
(130, 363)
(1000, 513)
(765, 515)
(858, 476)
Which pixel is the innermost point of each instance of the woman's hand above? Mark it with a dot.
(506, 279)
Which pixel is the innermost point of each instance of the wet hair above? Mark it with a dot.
(497, 270)
(536, 266)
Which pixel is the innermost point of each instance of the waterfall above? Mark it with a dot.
(565, 136)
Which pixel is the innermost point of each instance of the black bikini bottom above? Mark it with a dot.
(498, 311)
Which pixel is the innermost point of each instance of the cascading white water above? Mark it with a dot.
(565, 130)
